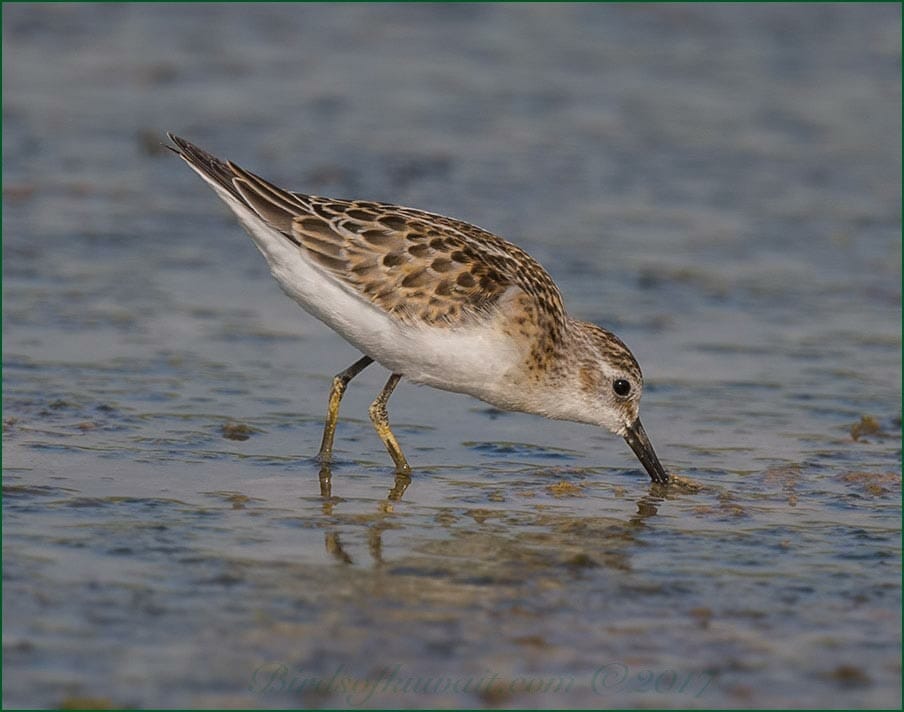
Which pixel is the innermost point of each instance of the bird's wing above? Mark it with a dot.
(420, 267)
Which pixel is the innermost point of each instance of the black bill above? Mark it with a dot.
(637, 438)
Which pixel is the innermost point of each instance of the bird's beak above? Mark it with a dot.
(637, 439)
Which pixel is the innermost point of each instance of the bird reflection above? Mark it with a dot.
(559, 536)
(374, 544)
(335, 549)
(375, 532)
(647, 506)
(400, 485)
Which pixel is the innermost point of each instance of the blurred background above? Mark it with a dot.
(719, 184)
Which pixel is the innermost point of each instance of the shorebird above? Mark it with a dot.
(435, 300)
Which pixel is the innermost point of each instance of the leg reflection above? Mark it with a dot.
(375, 531)
(326, 481)
(335, 549)
(398, 489)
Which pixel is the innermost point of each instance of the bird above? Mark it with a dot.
(437, 301)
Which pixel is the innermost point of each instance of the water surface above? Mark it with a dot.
(718, 184)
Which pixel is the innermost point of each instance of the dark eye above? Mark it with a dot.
(621, 387)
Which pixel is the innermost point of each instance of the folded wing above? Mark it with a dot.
(420, 267)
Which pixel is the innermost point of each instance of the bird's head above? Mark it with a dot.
(612, 385)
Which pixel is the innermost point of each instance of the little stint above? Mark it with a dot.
(437, 301)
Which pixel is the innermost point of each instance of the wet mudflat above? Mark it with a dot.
(719, 185)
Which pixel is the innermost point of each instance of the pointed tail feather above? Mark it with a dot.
(275, 206)
(205, 163)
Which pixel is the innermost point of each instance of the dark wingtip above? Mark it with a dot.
(180, 143)
(201, 160)
(190, 152)
(171, 148)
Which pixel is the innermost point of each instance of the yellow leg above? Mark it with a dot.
(398, 489)
(380, 419)
(332, 414)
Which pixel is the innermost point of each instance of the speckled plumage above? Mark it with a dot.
(446, 300)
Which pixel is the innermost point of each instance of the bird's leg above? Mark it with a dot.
(398, 489)
(340, 381)
(380, 420)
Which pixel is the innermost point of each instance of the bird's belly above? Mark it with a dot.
(474, 359)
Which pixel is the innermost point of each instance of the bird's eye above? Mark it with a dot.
(621, 387)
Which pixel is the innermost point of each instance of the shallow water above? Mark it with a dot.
(719, 184)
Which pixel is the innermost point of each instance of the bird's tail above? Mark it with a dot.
(204, 163)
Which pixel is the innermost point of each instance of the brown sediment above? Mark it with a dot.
(867, 425)
(874, 483)
(565, 489)
(237, 431)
